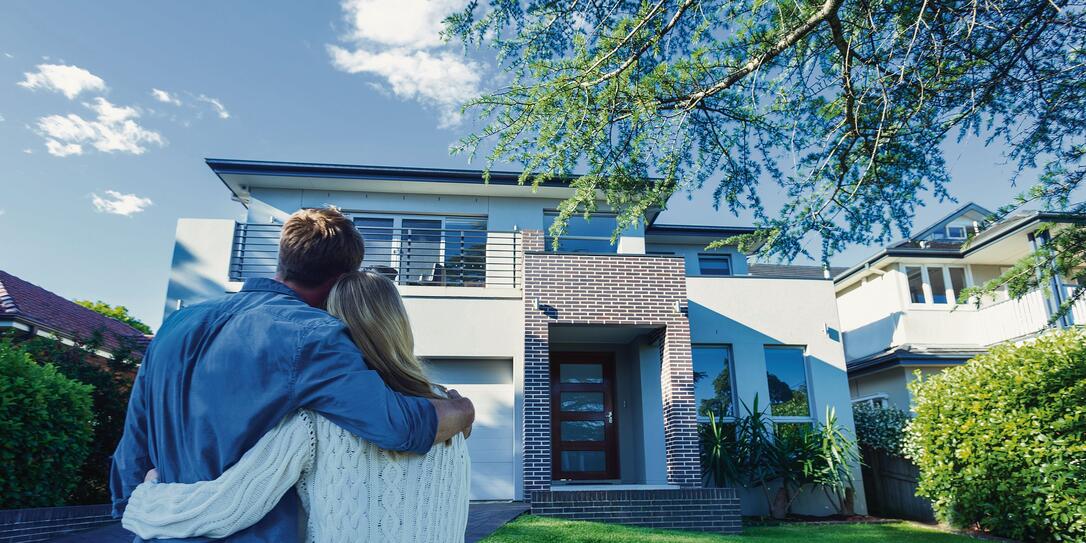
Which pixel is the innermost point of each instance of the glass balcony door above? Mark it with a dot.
(422, 250)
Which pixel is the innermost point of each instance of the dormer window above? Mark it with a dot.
(955, 232)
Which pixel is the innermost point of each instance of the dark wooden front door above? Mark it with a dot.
(583, 425)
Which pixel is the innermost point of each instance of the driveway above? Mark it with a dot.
(483, 519)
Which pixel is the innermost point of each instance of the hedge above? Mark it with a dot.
(880, 428)
(1001, 441)
(45, 431)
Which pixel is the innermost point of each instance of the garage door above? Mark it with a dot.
(489, 384)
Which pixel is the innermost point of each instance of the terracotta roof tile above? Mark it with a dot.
(25, 301)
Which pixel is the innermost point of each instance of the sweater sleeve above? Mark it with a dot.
(237, 499)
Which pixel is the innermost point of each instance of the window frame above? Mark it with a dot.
(396, 243)
(949, 291)
(720, 257)
(811, 414)
(964, 229)
(729, 364)
(548, 219)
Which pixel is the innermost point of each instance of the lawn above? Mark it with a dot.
(548, 530)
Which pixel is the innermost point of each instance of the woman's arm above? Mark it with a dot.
(239, 498)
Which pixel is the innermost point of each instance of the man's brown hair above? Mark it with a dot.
(318, 245)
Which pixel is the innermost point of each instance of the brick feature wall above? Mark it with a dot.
(635, 290)
(702, 509)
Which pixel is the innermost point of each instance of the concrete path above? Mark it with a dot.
(483, 520)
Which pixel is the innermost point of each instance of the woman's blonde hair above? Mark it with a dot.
(376, 318)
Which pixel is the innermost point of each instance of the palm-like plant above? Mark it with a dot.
(751, 453)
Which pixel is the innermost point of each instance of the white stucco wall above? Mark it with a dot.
(201, 262)
(749, 313)
(871, 314)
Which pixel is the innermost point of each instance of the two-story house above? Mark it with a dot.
(899, 309)
(590, 363)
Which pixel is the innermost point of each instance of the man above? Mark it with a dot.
(220, 374)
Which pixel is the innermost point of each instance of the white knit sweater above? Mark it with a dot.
(351, 490)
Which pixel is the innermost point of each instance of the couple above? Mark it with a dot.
(262, 417)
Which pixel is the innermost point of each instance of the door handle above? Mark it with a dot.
(610, 417)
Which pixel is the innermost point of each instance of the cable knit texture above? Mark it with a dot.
(350, 489)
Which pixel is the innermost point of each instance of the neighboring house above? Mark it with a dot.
(899, 312)
(587, 364)
(31, 310)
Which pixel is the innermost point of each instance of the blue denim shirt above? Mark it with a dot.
(222, 373)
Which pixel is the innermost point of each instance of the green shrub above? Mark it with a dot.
(880, 429)
(112, 382)
(45, 431)
(1001, 441)
(783, 460)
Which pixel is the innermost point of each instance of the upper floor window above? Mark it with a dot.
(423, 250)
(592, 235)
(715, 264)
(955, 232)
(939, 285)
(714, 390)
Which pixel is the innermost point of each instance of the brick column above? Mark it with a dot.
(536, 419)
(680, 412)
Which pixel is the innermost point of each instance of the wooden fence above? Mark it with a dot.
(890, 485)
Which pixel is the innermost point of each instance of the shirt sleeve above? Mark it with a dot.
(331, 379)
(131, 460)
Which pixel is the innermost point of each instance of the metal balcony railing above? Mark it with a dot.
(408, 256)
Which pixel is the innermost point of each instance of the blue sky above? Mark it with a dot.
(97, 168)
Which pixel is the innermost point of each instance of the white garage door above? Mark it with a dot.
(489, 384)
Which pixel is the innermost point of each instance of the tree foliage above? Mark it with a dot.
(45, 430)
(880, 429)
(1001, 441)
(844, 104)
(111, 380)
(116, 312)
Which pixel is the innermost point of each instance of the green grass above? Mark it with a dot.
(547, 530)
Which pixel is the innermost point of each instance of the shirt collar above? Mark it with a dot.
(258, 284)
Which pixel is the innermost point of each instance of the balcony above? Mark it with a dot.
(963, 325)
(407, 255)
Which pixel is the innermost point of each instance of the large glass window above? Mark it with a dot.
(957, 282)
(582, 235)
(786, 373)
(465, 251)
(938, 285)
(420, 250)
(377, 232)
(916, 283)
(714, 264)
(713, 386)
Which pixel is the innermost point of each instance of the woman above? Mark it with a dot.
(350, 490)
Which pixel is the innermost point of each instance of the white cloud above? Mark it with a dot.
(114, 129)
(220, 109)
(399, 41)
(9, 55)
(56, 148)
(165, 97)
(120, 204)
(28, 151)
(2, 118)
(67, 80)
